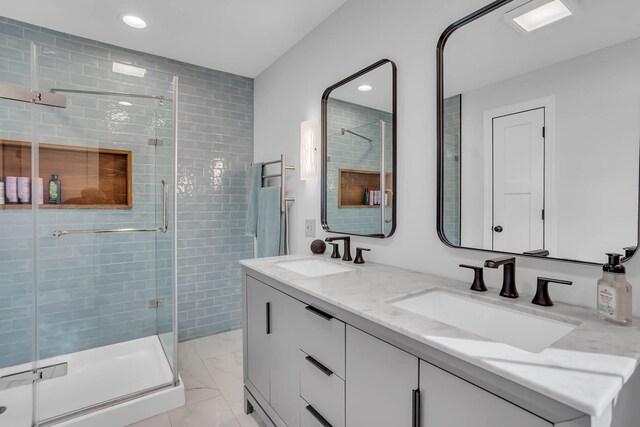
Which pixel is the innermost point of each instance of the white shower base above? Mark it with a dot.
(96, 376)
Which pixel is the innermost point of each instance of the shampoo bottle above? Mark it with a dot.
(366, 196)
(614, 293)
(55, 196)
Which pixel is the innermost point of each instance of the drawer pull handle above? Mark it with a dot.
(416, 408)
(268, 322)
(328, 372)
(320, 313)
(318, 417)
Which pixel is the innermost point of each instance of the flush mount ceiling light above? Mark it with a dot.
(133, 21)
(365, 88)
(125, 103)
(537, 14)
(129, 70)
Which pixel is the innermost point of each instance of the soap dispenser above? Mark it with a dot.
(614, 293)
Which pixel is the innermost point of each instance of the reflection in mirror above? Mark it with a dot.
(540, 130)
(359, 153)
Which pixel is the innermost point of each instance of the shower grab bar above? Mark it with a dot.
(164, 228)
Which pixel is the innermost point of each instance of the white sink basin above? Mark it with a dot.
(313, 267)
(519, 329)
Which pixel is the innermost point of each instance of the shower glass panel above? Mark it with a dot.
(105, 288)
(17, 287)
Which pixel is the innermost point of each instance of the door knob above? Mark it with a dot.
(497, 229)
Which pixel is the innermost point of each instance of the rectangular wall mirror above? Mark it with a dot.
(359, 153)
(539, 128)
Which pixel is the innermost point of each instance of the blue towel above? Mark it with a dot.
(255, 183)
(270, 227)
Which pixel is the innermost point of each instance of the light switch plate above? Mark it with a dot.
(309, 228)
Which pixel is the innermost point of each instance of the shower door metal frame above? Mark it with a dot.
(174, 223)
(32, 96)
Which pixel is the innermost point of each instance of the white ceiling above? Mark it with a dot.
(379, 97)
(489, 50)
(237, 36)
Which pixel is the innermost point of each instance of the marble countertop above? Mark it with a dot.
(585, 369)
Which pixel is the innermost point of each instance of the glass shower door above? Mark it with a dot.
(105, 244)
(17, 299)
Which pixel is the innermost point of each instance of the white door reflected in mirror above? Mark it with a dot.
(571, 192)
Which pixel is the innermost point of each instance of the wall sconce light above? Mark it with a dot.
(309, 133)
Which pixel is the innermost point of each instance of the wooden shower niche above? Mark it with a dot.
(351, 187)
(91, 178)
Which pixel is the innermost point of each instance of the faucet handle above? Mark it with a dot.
(537, 252)
(478, 278)
(336, 250)
(542, 292)
(359, 259)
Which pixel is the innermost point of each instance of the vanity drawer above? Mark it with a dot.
(310, 417)
(323, 338)
(323, 390)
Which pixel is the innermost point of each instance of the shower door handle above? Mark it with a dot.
(164, 228)
(165, 206)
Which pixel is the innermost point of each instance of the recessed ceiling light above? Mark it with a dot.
(365, 88)
(125, 103)
(538, 13)
(129, 70)
(134, 21)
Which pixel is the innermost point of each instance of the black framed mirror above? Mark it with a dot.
(359, 153)
(538, 113)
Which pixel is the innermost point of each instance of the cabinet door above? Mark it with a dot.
(258, 335)
(448, 401)
(285, 357)
(380, 382)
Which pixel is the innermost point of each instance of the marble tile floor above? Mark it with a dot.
(211, 369)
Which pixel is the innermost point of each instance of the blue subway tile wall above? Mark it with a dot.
(452, 132)
(95, 292)
(347, 151)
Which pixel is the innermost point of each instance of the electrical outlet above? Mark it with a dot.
(309, 228)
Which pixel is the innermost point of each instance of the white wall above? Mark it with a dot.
(597, 107)
(405, 31)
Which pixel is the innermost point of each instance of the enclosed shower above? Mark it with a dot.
(88, 300)
(355, 156)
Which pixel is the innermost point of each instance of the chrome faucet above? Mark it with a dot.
(347, 246)
(509, 275)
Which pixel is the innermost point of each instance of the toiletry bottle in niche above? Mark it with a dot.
(24, 189)
(1, 192)
(11, 189)
(614, 293)
(366, 196)
(40, 191)
(55, 190)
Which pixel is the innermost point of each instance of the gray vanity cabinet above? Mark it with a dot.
(273, 348)
(306, 367)
(258, 306)
(381, 382)
(285, 357)
(447, 400)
